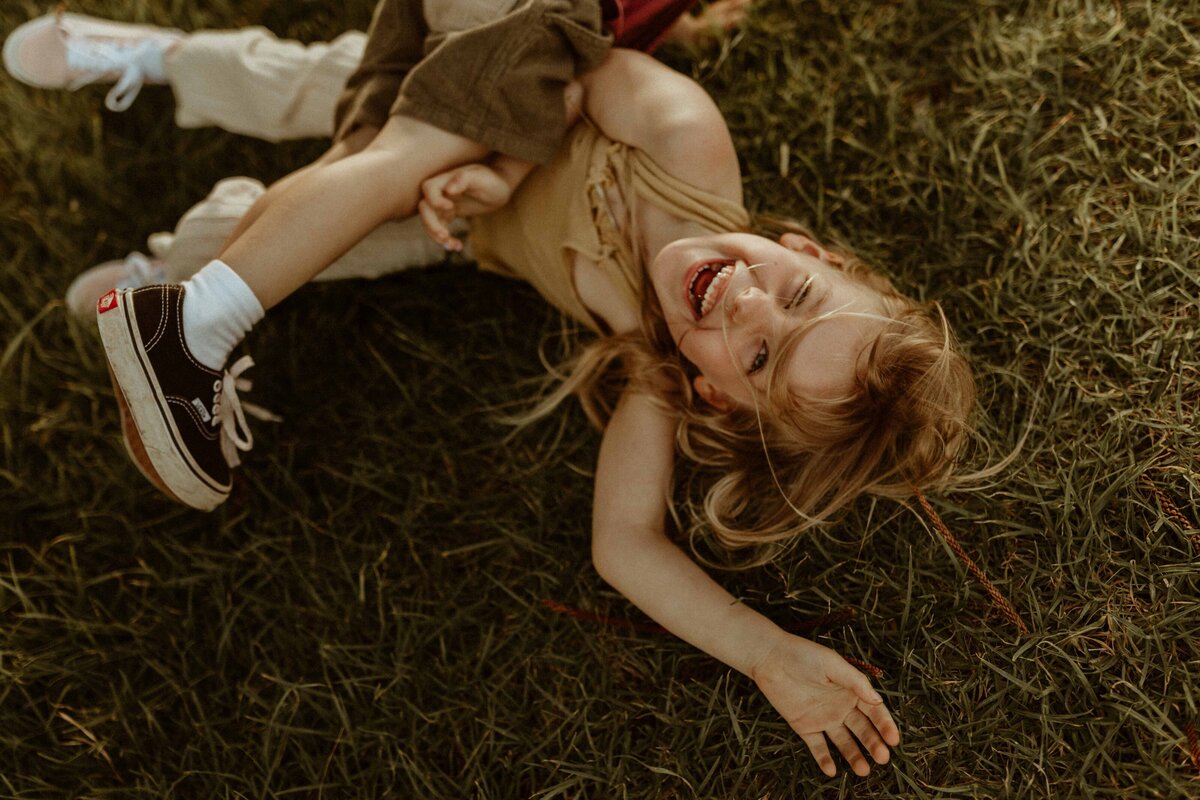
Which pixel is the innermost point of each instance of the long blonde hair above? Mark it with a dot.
(769, 473)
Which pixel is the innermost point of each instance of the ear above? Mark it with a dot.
(711, 394)
(803, 244)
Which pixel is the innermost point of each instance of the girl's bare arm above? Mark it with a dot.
(631, 551)
(815, 689)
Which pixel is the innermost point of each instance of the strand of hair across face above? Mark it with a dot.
(762, 435)
(1000, 600)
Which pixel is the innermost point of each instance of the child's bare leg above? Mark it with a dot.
(167, 346)
(329, 207)
(354, 143)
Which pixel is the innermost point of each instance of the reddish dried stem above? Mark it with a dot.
(1000, 600)
(1172, 511)
(865, 666)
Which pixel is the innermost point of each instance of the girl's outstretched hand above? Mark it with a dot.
(820, 694)
(465, 191)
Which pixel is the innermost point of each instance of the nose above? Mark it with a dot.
(750, 305)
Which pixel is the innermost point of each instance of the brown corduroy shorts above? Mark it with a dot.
(492, 71)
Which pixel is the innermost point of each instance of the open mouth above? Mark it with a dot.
(707, 284)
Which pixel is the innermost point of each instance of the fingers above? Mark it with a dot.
(820, 751)
(442, 190)
(438, 207)
(433, 224)
(862, 727)
(844, 742)
(866, 731)
(454, 187)
(881, 718)
(436, 227)
(840, 671)
(433, 190)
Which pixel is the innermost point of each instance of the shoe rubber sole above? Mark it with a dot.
(12, 45)
(133, 443)
(153, 433)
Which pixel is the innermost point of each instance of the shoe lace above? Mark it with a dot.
(230, 412)
(97, 58)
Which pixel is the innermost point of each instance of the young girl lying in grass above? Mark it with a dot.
(800, 376)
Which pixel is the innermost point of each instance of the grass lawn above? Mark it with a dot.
(373, 612)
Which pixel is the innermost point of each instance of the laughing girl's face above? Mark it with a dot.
(730, 300)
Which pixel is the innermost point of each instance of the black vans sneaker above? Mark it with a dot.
(183, 422)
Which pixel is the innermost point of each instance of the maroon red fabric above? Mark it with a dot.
(642, 24)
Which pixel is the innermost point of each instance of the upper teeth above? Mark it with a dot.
(716, 287)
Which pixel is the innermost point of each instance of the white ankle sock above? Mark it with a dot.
(218, 311)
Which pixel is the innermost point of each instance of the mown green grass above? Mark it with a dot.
(365, 617)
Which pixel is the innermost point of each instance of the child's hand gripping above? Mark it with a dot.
(820, 694)
(465, 191)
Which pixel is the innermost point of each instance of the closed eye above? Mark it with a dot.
(800, 294)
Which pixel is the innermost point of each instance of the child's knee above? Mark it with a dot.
(402, 131)
(425, 148)
(356, 142)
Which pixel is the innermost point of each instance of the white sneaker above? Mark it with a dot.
(67, 51)
(133, 272)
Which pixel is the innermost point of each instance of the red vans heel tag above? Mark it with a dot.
(107, 303)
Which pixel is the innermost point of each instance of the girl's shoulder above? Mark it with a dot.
(640, 101)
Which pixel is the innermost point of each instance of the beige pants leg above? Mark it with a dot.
(248, 81)
(199, 234)
(252, 83)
